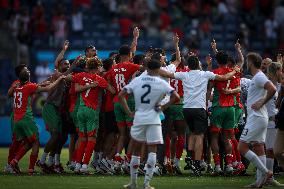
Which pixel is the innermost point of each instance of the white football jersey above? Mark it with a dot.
(148, 91)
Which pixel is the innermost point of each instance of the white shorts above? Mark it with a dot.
(150, 134)
(255, 129)
(270, 138)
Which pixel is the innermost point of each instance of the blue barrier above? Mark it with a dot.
(5, 131)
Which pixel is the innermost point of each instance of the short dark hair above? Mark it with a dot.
(117, 59)
(193, 63)
(222, 57)
(231, 59)
(124, 50)
(107, 63)
(89, 47)
(112, 53)
(93, 63)
(18, 69)
(255, 58)
(24, 76)
(153, 64)
(156, 56)
(138, 59)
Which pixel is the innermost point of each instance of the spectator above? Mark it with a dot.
(165, 20)
(279, 13)
(59, 25)
(13, 24)
(77, 21)
(270, 25)
(42, 71)
(222, 9)
(125, 23)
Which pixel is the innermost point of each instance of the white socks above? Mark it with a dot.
(43, 158)
(269, 164)
(57, 159)
(257, 161)
(50, 160)
(151, 162)
(134, 164)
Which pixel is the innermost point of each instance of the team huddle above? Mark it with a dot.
(148, 109)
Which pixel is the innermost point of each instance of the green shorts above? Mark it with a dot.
(223, 117)
(121, 117)
(238, 115)
(25, 129)
(52, 118)
(88, 120)
(176, 112)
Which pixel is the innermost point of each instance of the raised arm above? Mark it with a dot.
(226, 76)
(134, 42)
(61, 54)
(238, 47)
(178, 56)
(11, 89)
(209, 62)
(48, 87)
(214, 46)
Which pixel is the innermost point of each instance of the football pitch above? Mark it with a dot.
(69, 180)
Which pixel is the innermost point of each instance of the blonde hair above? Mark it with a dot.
(273, 68)
(93, 63)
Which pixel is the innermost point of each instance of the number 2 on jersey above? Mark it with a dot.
(143, 100)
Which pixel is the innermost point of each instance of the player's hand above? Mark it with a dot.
(237, 69)
(131, 114)
(227, 91)
(238, 45)
(136, 32)
(214, 45)
(280, 58)
(62, 77)
(158, 108)
(176, 38)
(93, 85)
(65, 45)
(208, 60)
(257, 105)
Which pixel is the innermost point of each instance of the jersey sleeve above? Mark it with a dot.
(168, 89)
(134, 67)
(180, 75)
(210, 75)
(32, 87)
(76, 78)
(102, 82)
(129, 88)
(261, 80)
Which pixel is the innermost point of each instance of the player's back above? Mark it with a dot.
(148, 92)
(22, 100)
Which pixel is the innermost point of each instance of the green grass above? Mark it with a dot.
(69, 180)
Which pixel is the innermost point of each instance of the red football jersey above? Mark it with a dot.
(120, 75)
(22, 100)
(177, 84)
(72, 97)
(108, 105)
(90, 97)
(224, 100)
(236, 82)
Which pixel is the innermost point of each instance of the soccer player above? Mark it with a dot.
(177, 122)
(88, 84)
(51, 114)
(222, 119)
(195, 84)
(260, 91)
(120, 76)
(147, 90)
(274, 73)
(24, 127)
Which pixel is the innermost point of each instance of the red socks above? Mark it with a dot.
(14, 147)
(168, 147)
(235, 150)
(179, 146)
(216, 158)
(89, 151)
(229, 159)
(80, 151)
(33, 159)
(21, 152)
